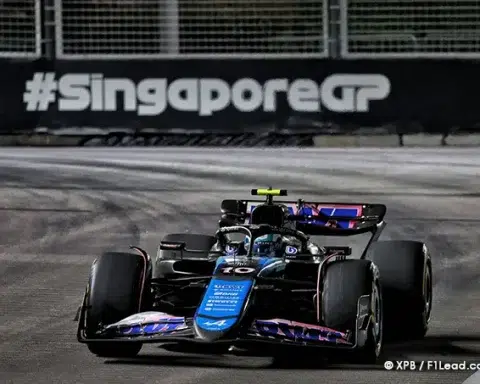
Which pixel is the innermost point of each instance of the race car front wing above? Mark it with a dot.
(157, 327)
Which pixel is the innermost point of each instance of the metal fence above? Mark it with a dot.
(406, 28)
(20, 28)
(109, 29)
(190, 28)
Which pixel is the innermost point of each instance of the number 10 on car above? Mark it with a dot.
(237, 270)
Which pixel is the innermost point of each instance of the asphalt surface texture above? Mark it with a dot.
(61, 208)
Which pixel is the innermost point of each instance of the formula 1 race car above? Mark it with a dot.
(266, 282)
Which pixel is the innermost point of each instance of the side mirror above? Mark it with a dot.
(230, 206)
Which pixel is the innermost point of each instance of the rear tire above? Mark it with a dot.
(406, 279)
(345, 282)
(118, 287)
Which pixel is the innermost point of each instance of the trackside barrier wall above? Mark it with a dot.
(433, 96)
(315, 67)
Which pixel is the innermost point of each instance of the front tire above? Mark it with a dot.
(118, 287)
(345, 282)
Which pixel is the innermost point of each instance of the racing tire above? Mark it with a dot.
(406, 279)
(118, 287)
(344, 283)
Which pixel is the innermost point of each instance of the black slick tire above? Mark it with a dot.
(344, 283)
(117, 286)
(406, 279)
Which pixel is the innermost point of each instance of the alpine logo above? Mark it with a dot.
(289, 250)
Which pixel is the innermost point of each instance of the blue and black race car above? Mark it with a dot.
(267, 281)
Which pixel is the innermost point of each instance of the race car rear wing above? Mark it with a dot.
(313, 217)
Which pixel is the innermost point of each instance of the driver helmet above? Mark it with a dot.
(268, 245)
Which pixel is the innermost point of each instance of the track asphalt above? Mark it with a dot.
(60, 208)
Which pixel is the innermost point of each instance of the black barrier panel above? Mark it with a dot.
(13, 77)
(225, 95)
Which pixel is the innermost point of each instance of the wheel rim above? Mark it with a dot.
(377, 318)
(427, 294)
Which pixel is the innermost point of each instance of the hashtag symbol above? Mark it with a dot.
(40, 91)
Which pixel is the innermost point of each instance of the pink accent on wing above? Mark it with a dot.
(165, 328)
(292, 323)
(316, 207)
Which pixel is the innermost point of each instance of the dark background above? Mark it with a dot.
(426, 95)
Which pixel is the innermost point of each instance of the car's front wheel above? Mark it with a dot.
(116, 289)
(345, 282)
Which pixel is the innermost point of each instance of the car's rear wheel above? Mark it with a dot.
(117, 288)
(345, 282)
